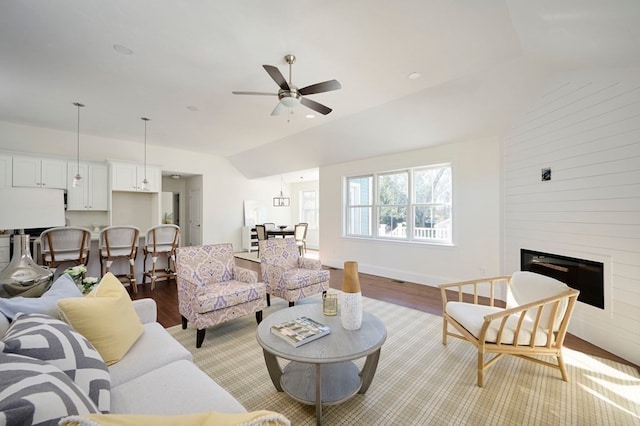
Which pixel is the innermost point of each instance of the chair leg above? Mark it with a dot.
(563, 369)
(200, 336)
(291, 304)
(480, 369)
(132, 274)
(444, 331)
(184, 323)
(259, 317)
(268, 300)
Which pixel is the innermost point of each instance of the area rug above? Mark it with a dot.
(419, 381)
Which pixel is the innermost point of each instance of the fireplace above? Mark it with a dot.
(584, 275)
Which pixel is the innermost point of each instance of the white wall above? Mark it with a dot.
(476, 217)
(585, 126)
(224, 188)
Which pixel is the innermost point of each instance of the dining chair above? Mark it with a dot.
(160, 240)
(119, 243)
(300, 235)
(261, 231)
(65, 244)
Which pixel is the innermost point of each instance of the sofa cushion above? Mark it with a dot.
(106, 317)
(46, 304)
(155, 348)
(176, 388)
(51, 340)
(225, 294)
(471, 317)
(36, 392)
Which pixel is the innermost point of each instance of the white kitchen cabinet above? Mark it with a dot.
(39, 172)
(5, 171)
(92, 193)
(129, 177)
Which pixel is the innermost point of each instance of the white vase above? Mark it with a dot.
(351, 310)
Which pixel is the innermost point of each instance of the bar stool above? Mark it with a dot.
(119, 243)
(160, 240)
(65, 244)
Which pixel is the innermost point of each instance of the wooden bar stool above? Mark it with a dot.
(65, 244)
(119, 243)
(160, 240)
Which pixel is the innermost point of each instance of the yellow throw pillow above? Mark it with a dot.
(253, 418)
(106, 317)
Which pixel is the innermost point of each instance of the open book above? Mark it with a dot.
(300, 331)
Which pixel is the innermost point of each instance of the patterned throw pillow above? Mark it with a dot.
(55, 342)
(36, 392)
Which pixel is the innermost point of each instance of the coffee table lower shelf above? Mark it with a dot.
(338, 382)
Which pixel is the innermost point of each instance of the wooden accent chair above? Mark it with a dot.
(65, 244)
(120, 243)
(534, 321)
(213, 290)
(160, 240)
(287, 274)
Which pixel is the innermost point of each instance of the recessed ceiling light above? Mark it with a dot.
(193, 108)
(309, 116)
(414, 75)
(122, 49)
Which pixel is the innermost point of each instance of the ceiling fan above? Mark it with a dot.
(289, 95)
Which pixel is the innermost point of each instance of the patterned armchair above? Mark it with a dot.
(212, 290)
(286, 274)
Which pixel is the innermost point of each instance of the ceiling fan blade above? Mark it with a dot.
(315, 106)
(254, 93)
(279, 109)
(326, 86)
(277, 76)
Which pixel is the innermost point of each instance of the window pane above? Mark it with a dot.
(432, 185)
(359, 221)
(309, 211)
(360, 191)
(393, 188)
(392, 221)
(432, 223)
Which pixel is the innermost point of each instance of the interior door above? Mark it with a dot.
(195, 230)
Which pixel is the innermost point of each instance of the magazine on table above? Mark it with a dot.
(300, 331)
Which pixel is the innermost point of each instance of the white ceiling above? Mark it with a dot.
(479, 60)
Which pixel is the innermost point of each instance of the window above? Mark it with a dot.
(310, 208)
(406, 205)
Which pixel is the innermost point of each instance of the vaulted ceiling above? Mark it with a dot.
(177, 62)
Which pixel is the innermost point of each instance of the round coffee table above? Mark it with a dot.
(322, 371)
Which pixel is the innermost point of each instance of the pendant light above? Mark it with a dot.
(281, 200)
(77, 178)
(145, 182)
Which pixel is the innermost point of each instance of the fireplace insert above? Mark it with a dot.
(584, 275)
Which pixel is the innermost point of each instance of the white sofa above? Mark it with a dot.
(157, 375)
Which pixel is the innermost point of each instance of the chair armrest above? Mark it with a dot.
(146, 309)
(245, 275)
(306, 263)
(472, 289)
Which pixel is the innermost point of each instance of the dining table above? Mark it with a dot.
(280, 232)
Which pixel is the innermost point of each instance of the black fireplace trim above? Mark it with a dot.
(581, 274)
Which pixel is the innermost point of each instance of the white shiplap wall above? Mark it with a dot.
(585, 126)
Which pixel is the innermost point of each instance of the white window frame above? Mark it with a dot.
(442, 237)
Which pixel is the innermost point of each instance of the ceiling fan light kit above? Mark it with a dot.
(289, 96)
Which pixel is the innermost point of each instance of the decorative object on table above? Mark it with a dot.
(351, 300)
(300, 331)
(330, 304)
(88, 284)
(77, 274)
(282, 227)
(28, 208)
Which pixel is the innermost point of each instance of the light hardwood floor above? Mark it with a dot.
(411, 295)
